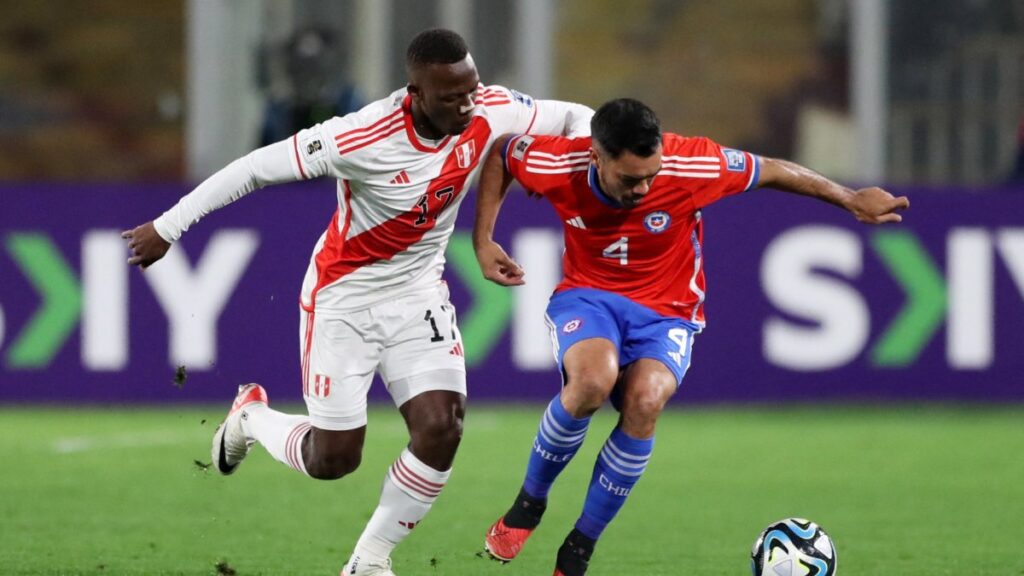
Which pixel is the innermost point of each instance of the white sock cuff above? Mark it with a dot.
(293, 447)
(416, 479)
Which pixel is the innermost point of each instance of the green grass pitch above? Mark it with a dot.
(907, 491)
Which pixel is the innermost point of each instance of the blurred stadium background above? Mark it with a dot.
(867, 378)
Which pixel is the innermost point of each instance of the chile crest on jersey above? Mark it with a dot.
(657, 222)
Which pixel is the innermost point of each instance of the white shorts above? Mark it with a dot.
(413, 341)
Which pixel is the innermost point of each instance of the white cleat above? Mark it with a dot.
(359, 567)
(230, 445)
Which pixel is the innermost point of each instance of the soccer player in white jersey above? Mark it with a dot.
(373, 298)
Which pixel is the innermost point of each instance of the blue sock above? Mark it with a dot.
(558, 438)
(619, 466)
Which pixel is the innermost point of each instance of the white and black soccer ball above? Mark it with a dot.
(793, 547)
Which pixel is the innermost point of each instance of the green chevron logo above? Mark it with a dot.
(191, 297)
(925, 308)
(58, 287)
(807, 272)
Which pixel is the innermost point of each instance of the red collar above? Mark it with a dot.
(410, 131)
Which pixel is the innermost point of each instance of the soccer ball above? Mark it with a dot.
(793, 547)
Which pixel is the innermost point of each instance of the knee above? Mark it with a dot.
(586, 391)
(641, 407)
(443, 430)
(585, 397)
(332, 466)
(646, 402)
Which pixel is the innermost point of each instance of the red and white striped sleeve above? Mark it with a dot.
(329, 148)
(714, 170)
(541, 163)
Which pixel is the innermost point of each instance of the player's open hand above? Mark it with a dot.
(497, 266)
(145, 244)
(876, 206)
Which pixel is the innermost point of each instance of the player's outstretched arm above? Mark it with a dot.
(268, 165)
(561, 118)
(495, 264)
(870, 205)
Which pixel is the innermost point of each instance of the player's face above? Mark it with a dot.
(443, 94)
(626, 179)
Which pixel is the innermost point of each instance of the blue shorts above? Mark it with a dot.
(636, 330)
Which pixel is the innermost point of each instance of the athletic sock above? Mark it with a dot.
(618, 468)
(526, 512)
(409, 491)
(559, 437)
(574, 554)
(281, 434)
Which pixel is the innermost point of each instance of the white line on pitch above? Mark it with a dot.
(73, 444)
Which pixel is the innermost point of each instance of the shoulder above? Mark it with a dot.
(374, 121)
(524, 146)
(690, 157)
(546, 163)
(679, 145)
(501, 105)
(495, 96)
(542, 153)
(703, 149)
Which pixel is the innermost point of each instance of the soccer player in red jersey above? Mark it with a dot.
(372, 298)
(625, 314)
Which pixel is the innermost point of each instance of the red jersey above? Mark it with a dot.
(650, 253)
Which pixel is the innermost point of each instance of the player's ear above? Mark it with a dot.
(595, 157)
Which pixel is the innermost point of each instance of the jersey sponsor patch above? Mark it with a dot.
(312, 147)
(657, 222)
(522, 98)
(735, 160)
(572, 325)
(522, 144)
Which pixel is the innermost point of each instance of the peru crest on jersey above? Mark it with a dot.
(465, 154)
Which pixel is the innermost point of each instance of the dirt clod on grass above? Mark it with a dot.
(180, 375)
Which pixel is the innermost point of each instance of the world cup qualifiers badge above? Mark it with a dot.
(735, 160)
(572, 326)
(657, 222)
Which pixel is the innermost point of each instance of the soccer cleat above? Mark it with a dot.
(574, 555)
(504, 543)
(230, 445)
(359, 567)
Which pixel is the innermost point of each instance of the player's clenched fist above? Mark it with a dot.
(145, 244)
(497, 266)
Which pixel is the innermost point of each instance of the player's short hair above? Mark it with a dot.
(437, 46)
(626, 124)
